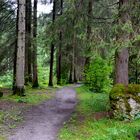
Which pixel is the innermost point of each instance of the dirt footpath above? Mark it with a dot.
(44, 121)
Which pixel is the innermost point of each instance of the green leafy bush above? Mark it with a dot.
(98, 75)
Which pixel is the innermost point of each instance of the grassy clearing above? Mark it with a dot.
(83, 126)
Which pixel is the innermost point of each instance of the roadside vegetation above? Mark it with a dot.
(91, 121)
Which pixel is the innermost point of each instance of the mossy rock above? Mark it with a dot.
(1, 94)
(125, 101)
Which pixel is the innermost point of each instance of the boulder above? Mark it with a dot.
(125, 102)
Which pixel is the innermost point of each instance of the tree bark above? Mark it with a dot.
(122, 66)
(59, 60)
(89, 30)
(72, 68)
(35, 72)
(52, 48)
(15, 53)
(20, 62)
(122, 55)
(59, 55)
(28, 64)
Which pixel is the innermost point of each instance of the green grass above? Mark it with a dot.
(91, 102)
(2, 138)
(83, 126)
(33, 96)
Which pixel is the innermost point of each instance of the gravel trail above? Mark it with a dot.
(44, 121)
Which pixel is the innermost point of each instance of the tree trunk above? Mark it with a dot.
(89, 30)
(72, 68)
(15, 53)
(122, 66)
(59, 60)
(20, 62)
(59, 55)
(28, 65)
(122, 55)
(71, 74)
(52, 48)
(35, 72)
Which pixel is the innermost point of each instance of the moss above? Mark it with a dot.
(133, 89)
(120, 90)
(117, 91)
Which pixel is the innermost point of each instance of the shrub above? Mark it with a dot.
(98, 75)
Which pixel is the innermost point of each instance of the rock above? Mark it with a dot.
(135, 108)
(125, 106)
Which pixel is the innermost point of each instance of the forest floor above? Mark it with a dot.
(43, 122)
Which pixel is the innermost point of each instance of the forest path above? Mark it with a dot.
(44, 121)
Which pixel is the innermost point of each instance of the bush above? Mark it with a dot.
(98, 75)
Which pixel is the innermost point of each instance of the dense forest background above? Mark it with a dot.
(77, 41)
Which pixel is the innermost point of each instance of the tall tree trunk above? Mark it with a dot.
(72, 68)
(20, 62)
(15, 53)
(59, 60)
(89, 30)
(71, 74)
(122, 55)
(52, 48)
(59, 55)
(35, 73)
(121, 68)
(28, 65)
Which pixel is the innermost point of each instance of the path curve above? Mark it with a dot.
(44, 121)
